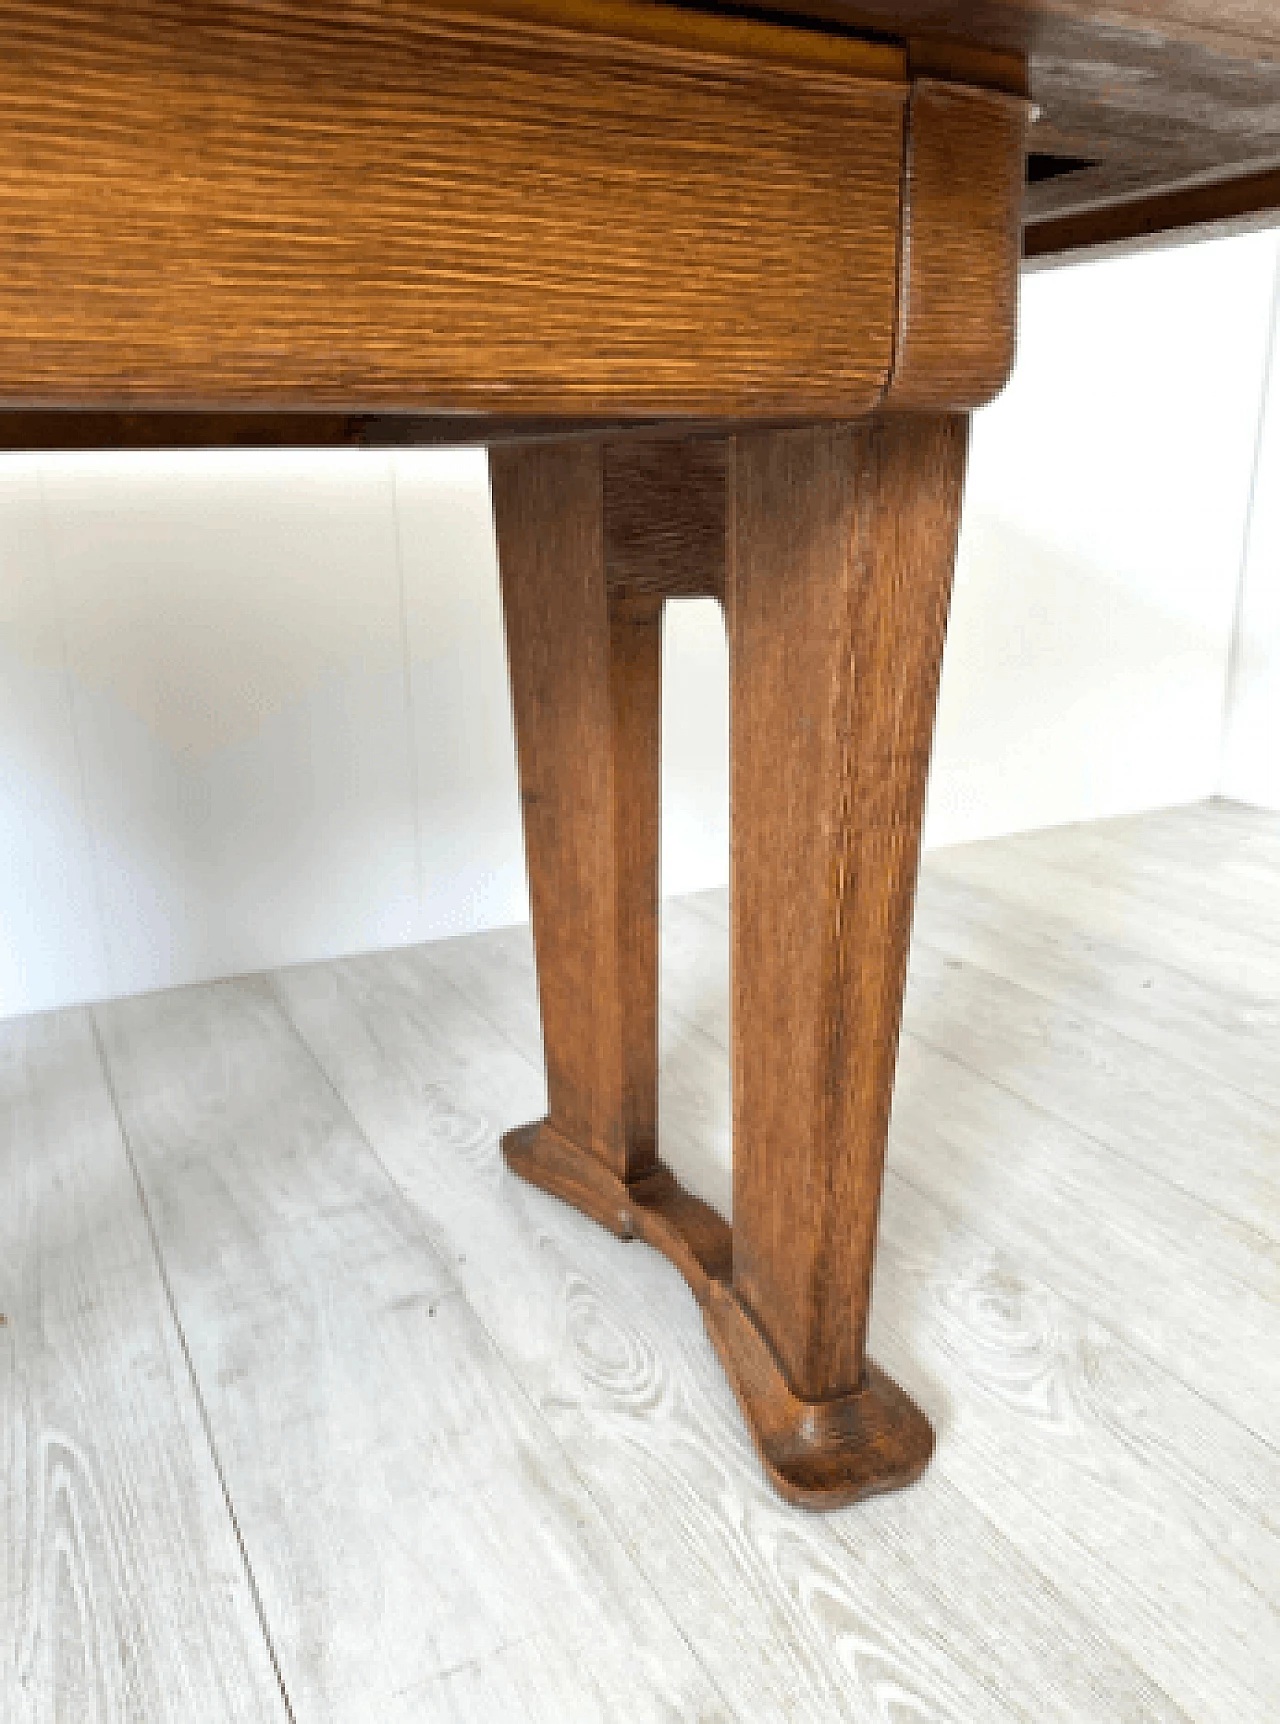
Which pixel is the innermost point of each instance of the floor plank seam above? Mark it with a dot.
(1132, 1342)
(1173, 1059)
(545, 1505)
(692, 902)
(956, 874)
(1131, 890)
(1048, 1281)
(1265, 1240)
(1098, 1631)
(924, 1574)
(608, 1520)
(1072, 1303)
(203, 1411)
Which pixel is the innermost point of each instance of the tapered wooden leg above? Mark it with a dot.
(583, 580)
(839, 544)
(585, 683)
(841, 554)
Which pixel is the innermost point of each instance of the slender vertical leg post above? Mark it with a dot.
(585, 682)
(839, 574)
(583, 587)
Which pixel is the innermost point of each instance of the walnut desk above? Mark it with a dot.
(719, 286)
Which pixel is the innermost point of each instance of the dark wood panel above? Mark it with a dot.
(1201, 211)
(1154, 94)
(73, 428)
(664, 511)
(1247, 29)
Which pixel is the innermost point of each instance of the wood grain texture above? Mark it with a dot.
(1141, 994)
(422, 1547)
(587, 561)
(1227, 26)
(818, 1455)
(1113, 1464)
(664, 503)
(356, 205)
(1113, 1225)
(547, 207)
(913, 1602)
(123, 1593)
(654, 1207)
(1122, 1244)
(1152, 97)
(842, 547)
(1195, 1129)
(1095, 1538)
(958, 279)
(1144, 1503)
(585, 666)
(695, 31)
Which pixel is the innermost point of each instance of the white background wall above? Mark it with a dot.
(1251, 740)
(253, 707)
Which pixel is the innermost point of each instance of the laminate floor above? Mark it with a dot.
(309, 1412)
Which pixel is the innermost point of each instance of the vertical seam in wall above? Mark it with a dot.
(110, 984)
(406, 660)
(1235, 649)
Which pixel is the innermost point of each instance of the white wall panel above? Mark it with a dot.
(470, 854)
(51, 946)
(695, 748)
(1107, 504)
(1251, 747)
(236, 653)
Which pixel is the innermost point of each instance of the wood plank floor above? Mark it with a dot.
(309, 1412)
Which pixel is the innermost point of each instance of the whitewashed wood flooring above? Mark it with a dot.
(309, 1412)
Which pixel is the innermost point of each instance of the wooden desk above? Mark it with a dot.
(720, 293)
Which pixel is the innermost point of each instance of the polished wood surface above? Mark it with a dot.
(450, 219)
(585, 664)
(843, 544)
(958, 276)
(359, 205)
(664, 214)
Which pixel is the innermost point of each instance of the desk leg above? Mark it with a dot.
(585, 670)
(840, 543)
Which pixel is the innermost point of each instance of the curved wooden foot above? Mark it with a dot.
(818, 1454)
